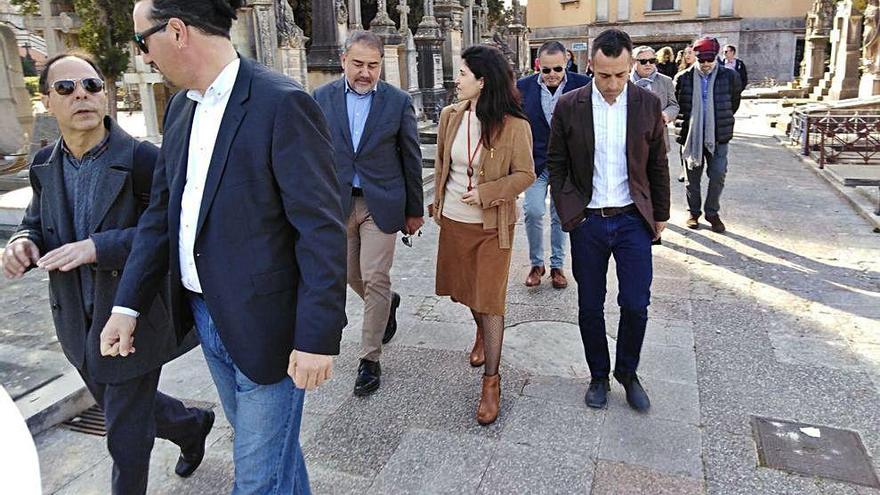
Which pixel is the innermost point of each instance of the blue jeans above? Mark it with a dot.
(716, 170)
(265, 419)
(628, 239)
(534, 208)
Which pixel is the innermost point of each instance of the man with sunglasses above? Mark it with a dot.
(645, 75)
(247, 216)
(89, 190)
(379, 166)
(540, 92)
(709, 95)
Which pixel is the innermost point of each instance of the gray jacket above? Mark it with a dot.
(122, 195)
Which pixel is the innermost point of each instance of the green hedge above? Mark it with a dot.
(33, 85)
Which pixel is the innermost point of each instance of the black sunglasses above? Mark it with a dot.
(140, 39)
(705, 60)
(546, 70)
(646, 61)
(65, 87)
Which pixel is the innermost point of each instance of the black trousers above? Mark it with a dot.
(136, 413)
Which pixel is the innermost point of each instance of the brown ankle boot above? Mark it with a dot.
(478, 355)
(490, 400)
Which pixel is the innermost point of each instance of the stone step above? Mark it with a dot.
(429, 152)
(12, 206)
(428, 134)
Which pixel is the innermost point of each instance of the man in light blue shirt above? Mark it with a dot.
(379, 167)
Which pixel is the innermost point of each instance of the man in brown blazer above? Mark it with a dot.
(610, 183)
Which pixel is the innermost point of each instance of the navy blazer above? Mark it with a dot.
(270, 246)
(388, 159)
(531, 102)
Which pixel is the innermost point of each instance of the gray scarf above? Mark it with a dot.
(644, 82)
(701, 133)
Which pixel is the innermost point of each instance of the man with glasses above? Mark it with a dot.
(89, 189)
(379, 166)
(709, 95)
(540, 92)
(247, 217)
(731, 62)
(645, 75)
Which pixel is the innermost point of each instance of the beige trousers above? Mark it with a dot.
(370, 254)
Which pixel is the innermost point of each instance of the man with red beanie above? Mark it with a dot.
(708, 95)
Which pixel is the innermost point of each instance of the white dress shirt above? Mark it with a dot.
(202, 136)
(610, 177)
(206, 124)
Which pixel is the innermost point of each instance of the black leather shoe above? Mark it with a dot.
(391, 327)
(636, 396)
(368, 378)
(597, 394)
(191, 457)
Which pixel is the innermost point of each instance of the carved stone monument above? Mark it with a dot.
(291, 45)
(845, 82)
(384, 27)
(144, 78)
(58, 24)
(429, 44)
(818, 30)
(449, 15)
(16, 112)
(870, 82)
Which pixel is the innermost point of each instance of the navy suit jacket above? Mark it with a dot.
(388, 159)
(270, 246)
(531, 102)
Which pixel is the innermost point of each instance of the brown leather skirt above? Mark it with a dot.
(471, 268)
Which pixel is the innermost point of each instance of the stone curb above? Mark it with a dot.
(55, 402)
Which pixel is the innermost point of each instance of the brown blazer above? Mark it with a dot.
(506, 169)
(572, 146)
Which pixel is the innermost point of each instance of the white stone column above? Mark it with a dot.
(145, 78)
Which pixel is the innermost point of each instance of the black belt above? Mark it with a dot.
(612, 211)
(357, 192)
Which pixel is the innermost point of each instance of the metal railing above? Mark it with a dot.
(837, 136)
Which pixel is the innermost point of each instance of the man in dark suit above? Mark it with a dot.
(246, 214)
(89, 189)
(379, 166)
(540, 93)
(610, 181)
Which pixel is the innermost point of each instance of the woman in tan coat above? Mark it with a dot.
(484, 161)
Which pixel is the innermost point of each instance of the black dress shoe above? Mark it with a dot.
(368, 378)
(191, 457)
(597, 394)
(391, 326)
(635, 394)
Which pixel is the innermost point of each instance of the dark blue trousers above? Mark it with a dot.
(593, 242)
(136, 413)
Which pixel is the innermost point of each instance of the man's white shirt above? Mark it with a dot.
(202, 137)
(610, 176)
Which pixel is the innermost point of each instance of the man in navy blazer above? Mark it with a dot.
(245, 213)
(540, 92)
(379, 166)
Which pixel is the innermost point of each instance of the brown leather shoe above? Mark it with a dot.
(558, 279)
(717, 224)
(490, 400)
(478, 355)
(693, 222)
(535, 274)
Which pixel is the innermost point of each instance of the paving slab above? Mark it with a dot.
(616, 477)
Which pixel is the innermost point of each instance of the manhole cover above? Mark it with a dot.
(91, 421)
(813, 451)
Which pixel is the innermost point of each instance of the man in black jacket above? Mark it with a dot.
(708, 95)
(731, 62)
(89, 189)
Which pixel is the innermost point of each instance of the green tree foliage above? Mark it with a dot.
(28, 7)
(105, 33)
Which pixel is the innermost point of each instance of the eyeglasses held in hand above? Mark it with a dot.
(546, 70)
(407, 239)
(646, 61)
(65, 87)
(140, 39)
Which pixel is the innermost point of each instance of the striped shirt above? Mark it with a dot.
(610, 177)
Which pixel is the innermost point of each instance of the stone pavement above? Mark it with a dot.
(776, 318)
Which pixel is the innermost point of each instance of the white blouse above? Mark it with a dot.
(456, 186)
